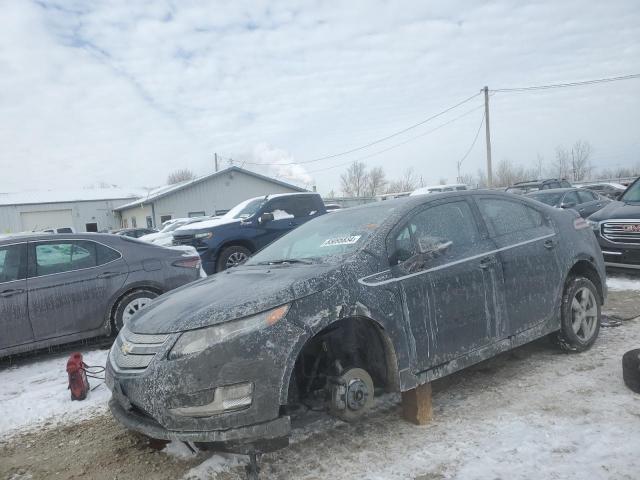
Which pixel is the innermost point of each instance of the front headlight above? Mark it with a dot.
(195, 341)
(593, 224)
(204, 235)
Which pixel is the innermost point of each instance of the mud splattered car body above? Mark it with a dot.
(409, 290)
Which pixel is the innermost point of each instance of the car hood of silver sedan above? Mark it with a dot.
(232, 294)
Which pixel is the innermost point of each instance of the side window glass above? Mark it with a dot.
(106, 254)
(292, 207)
(444, 231)
(280, 209)
(571, 198)
(506, 216)
(586, 196)
(59, 257)
(12, 263)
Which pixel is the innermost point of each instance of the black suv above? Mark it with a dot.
(534, 185)
(229, 240)
(617, 227)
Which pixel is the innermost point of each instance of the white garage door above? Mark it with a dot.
(46, 219)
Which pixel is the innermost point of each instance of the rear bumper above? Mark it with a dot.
(136, 420)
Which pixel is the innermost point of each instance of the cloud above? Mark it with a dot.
(124, 92)
(264, 153)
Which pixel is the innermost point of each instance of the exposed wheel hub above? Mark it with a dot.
(357, 394)
(351, 394)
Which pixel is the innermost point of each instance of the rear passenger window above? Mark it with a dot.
(12, 263)
(106, 254)
(446, 230)
(571, 198)
(506, 216)
(292, 207)
(59, 257)
(586, 196)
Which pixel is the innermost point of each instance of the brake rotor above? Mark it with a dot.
(352, 394)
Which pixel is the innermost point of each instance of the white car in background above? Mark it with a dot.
(449, 187)
(165, 237)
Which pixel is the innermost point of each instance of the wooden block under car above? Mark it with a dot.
(416, 405)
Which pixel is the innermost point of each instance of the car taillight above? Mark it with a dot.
(580, 224)
(188, 262)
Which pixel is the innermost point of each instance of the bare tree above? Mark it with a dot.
(180, 176)
(353, 183)
(376, 182)
(581, 160)
(467, 179)
(482, 179)
(561, 166)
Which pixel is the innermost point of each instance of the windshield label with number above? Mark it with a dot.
(349, 240)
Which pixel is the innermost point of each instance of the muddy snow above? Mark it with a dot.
(530, 413)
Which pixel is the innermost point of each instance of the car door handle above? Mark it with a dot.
(549, 244)
(486, 262)
(109, 274)
(11, 292)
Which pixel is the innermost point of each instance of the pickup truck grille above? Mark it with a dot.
(184, 239)
(622, 231)
(135, 351)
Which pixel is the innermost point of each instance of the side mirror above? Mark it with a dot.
(429, 248)
(265, 217)
(567, 205)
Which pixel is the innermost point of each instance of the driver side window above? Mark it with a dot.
(442, 233)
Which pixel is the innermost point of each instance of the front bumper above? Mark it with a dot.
(620, 255)
(144, 399)
(136, 420)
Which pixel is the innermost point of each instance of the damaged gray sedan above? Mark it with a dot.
(383, 297)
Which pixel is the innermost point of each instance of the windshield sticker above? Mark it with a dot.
(349, 240)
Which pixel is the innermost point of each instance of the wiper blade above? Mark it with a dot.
(286, 260)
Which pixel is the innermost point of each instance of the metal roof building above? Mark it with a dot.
(205, 195)
(85, 210)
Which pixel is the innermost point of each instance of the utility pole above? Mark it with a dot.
(215, 157)
(486, 124)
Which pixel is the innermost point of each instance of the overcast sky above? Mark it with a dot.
(125, 92)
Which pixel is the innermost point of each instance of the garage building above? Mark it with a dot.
(207, 195)
(85, 210)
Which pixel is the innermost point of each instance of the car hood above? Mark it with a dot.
(150, 237)
(205, 225)
(232, 294)
(617, 210)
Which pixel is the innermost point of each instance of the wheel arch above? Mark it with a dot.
(130, 288)
(382, 350)
(585, 267)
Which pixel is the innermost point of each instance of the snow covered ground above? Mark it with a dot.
(34, 393)
(530, 413)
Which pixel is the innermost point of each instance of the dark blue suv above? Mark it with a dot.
(229, 240)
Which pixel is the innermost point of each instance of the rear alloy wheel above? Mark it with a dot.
(129, 305)
(580, 322)
(232, 257)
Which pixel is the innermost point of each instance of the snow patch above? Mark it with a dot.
(217, 463)
(36, 393)
(616, 283)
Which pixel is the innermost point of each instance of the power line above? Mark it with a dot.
(379, 152)
(570, 84)
(375, 142)
(475, 139)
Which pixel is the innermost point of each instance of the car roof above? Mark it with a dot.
(56, 236)
(551, 190)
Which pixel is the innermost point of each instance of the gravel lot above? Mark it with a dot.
(529, 413)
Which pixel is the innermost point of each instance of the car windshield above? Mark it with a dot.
(632, 194)
(552, 199)
(328, 238)
(245, 209)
